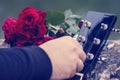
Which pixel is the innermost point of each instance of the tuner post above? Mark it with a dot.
(104, 26)
(96, 41)
(88, 23)
(116, 30)
(90, 56)
(81, 38)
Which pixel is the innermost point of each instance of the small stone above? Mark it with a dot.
(103, 58)
(110, 46)
(114, 79)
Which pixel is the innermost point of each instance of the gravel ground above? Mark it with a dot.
(108, 64)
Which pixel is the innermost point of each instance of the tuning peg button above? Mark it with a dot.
(96, 41)
(88, 23)
(116, 30)
(90, 56)
(81, 38)
(104, 26)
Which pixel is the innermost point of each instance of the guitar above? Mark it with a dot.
(93, 35)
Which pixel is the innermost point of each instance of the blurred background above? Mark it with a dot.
(11, 8)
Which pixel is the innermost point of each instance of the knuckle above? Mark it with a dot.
(74, 48)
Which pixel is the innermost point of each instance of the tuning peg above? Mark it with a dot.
(81, 38)
(104, 26)
(116, 30)
(90, 56)
(88, 23)
(96, 41)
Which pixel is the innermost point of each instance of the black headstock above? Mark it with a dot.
(93, 36)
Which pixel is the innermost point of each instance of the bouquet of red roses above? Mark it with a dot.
(32, 28)
(28, 29)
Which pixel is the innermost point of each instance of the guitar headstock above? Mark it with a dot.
(93, 36)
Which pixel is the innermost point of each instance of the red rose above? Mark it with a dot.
(9, 30)
(80, 24)
(30, 26)
(28, 30)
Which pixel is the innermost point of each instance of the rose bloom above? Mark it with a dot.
(80, 24)
(30, 26)
(29, 29)
(9, 30)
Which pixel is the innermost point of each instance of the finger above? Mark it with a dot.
(78, 49)
(80, 65)
(77, 44)
(80, 53)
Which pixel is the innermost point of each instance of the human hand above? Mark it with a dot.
(66, 55)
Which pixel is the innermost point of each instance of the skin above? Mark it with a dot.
(66, 55)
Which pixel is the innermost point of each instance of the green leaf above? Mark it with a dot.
(55, 17)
